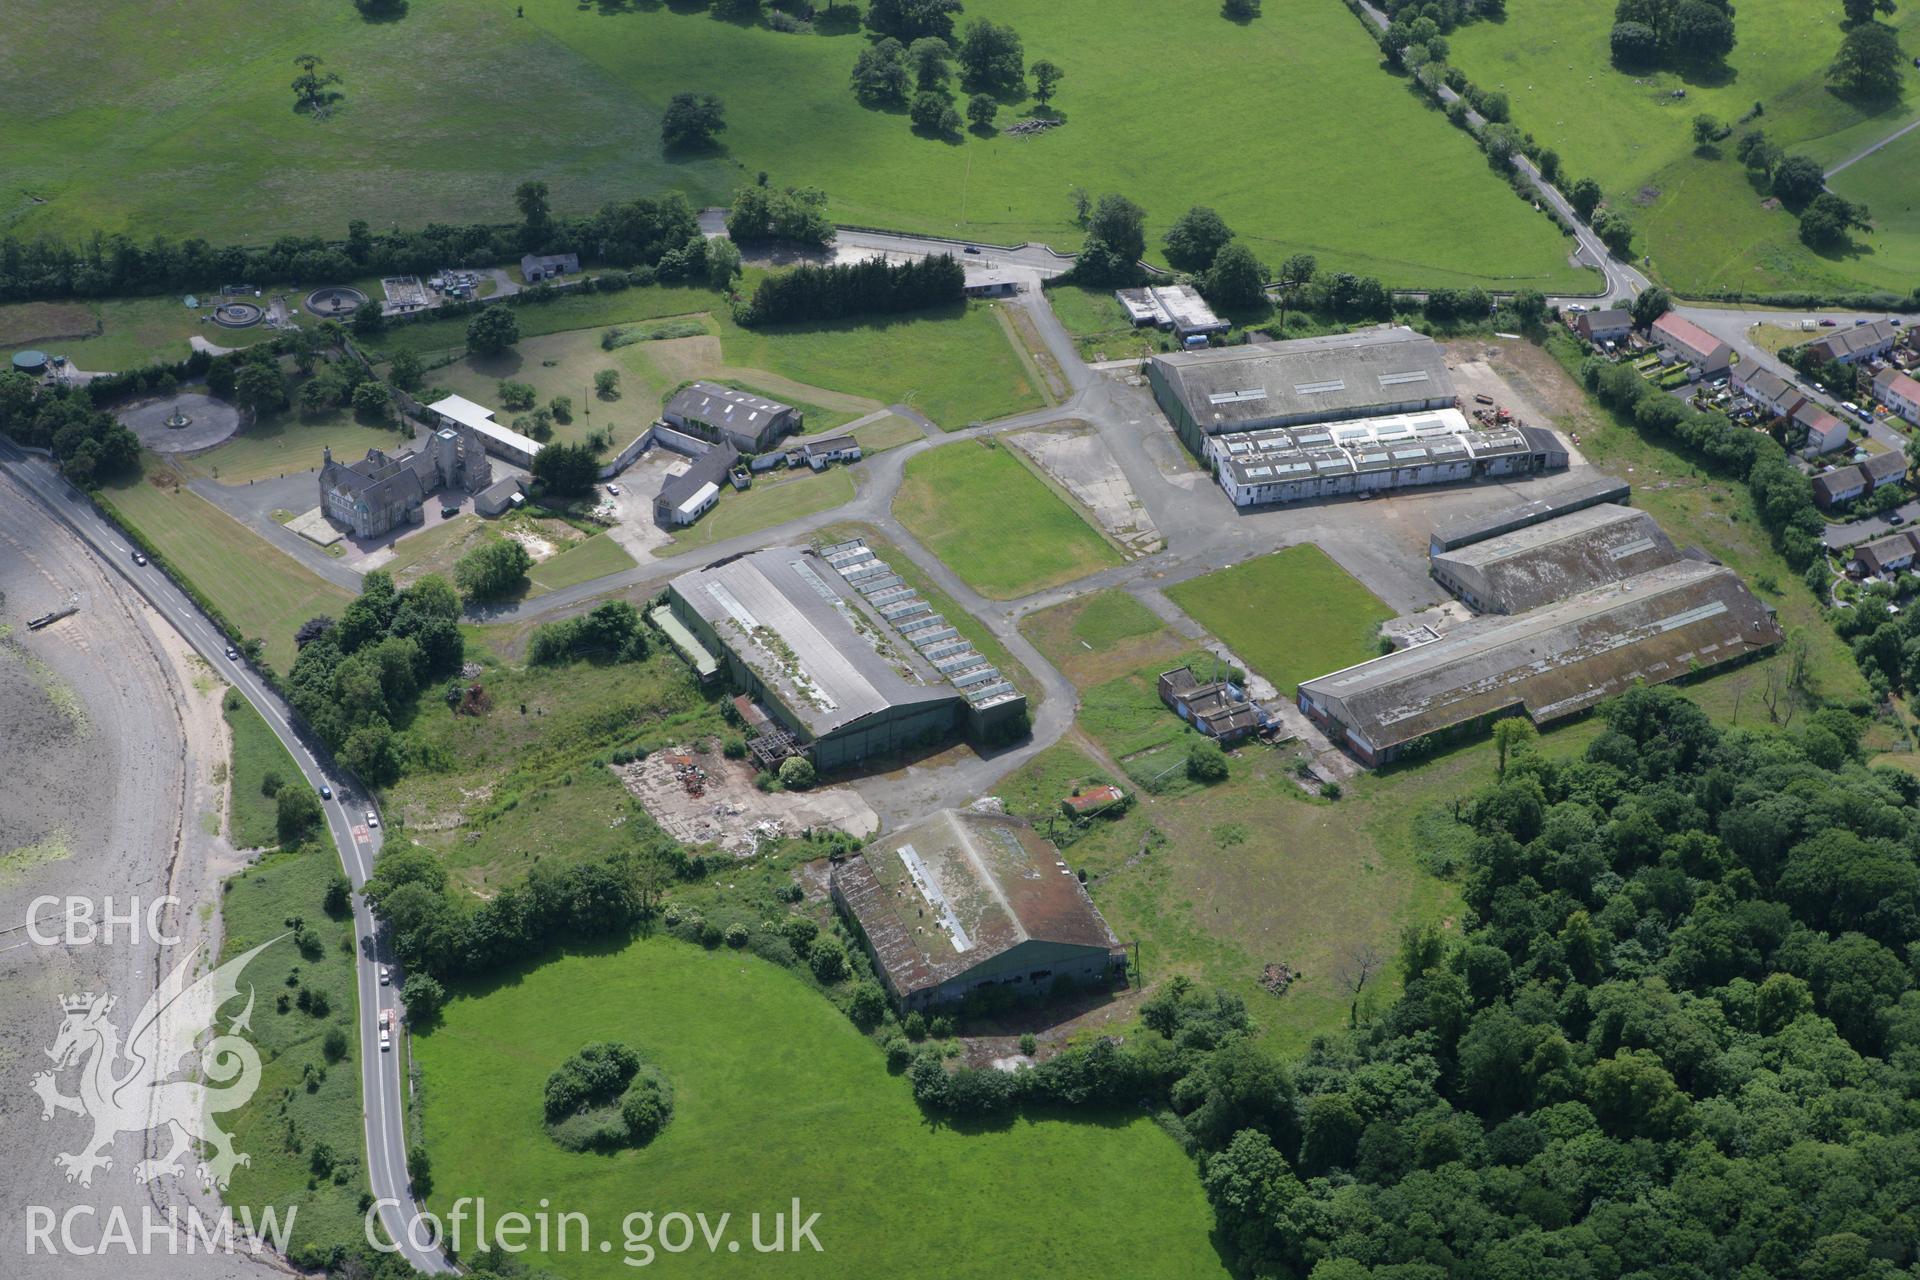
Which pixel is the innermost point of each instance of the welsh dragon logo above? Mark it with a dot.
(141, 1085)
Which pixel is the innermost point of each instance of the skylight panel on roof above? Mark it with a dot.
(1319, 388)
(1402, 379)
(1237, 397)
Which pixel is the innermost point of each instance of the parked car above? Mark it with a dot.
(326, 792)
(614, 489)
(1828, 323)
(449, 512)
(373, 819)
(973, 248)
(1578, 308)
(1895, 518)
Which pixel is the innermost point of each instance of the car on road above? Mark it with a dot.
(373, 819)
(973, 248)
(139, 559)
(326, 792)
(386, 1030)
(233, 654)
(1828, 323)
(1896, 518)
(386, 976)
(1578, 308)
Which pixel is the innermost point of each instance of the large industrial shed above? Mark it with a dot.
(824, 661)
(1550, 662)
(1464, 530)
(1370, 374)
(963, 901)
(1535, 566)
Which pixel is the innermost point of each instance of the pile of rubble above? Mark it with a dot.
(1277, 978)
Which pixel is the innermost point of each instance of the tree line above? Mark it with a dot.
(840, 290)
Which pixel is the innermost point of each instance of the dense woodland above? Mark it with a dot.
(1677, 1035)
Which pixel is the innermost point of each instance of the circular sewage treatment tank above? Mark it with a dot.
(334, 302)
(30, 361)
(237, 315)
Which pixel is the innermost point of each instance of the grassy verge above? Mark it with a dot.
(1291, 615)
(302, 1127)
(760, 1062)
(995, 523)
(887, 433)
(593, 557)
(253, 814)
(261, 591)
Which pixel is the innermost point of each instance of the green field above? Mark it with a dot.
(289, 442)
(252, 821)
(995, 523)
(1698, 215)
(887, 433)
(493, 795)
(593, 557)
(773, 499)
(777, 1096)
(116, 333)
(304, 1103)
(1292, 615)
(183, 125)
(955, 366)
(264, 592)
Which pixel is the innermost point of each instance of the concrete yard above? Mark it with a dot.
(1074, 454)
(210, 422)
(730, 811)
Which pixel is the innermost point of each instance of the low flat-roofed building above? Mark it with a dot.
(1464, 530)
(1290, 464)
(1825, 433)
(1899, 392)
(821, 453)
(1537, 565)
(1766, 390)
(501, 441)
(1688, 342)
(991, 284)
(1842, 484)
(535, 267)
(1177, 307)
(1886, 556)
(1610, 325)
(1550, 662)
(1860, 342)
(754, 424)
(965, 900)
(1372, 373)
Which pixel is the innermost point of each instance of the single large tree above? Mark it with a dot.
(492, 331)
(1236, 280)
(991, 57)
(1869, 64)
(691, 121)
(313, 91)
(981, 109)
(930, 58)
(880, 73)
(1195, 238)
(1047, 76)
(1120, 224)
(1798, 179)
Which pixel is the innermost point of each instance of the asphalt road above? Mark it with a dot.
(357, 845)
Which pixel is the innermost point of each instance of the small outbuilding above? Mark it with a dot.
(535, 267)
